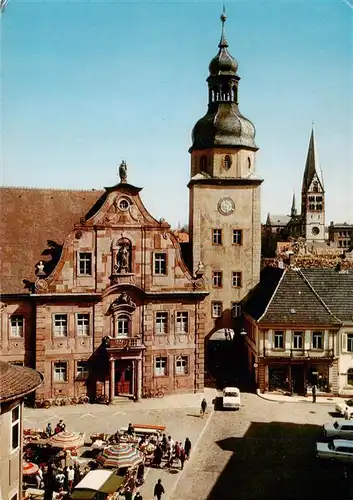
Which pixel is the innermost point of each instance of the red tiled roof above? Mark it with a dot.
(29, 217)
(17, 381)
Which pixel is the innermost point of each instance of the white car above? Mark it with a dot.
(340, 428)
(346, 407)
(231, 398)
(338, 449)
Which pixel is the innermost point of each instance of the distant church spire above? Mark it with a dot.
(293, 210)
(310, 165)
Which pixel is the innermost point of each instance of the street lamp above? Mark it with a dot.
(243, 332)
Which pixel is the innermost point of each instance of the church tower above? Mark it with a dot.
(313, 198)
(224, 195)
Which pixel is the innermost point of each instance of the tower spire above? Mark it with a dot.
(310, 165)
(223, 41)
(293, 210)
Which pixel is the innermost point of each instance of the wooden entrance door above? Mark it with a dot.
(123, 377)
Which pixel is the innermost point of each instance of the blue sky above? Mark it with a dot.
(86, 84)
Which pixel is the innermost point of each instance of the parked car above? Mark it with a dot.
(231, 398)
(340, 428)
(338, 449)
(343, 406)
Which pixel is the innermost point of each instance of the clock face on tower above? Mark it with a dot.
(226, 206)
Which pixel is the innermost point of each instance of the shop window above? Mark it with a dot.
(181, 365)
(60, 372)
(278, 342)
(217, 236)
(122, 326)
(15, 428)
(350, 376)
(82, 325)
(160, 263)
(161, 325)
(60, 325)
(85, 264)
(317, 340)
(217, 279)
(182, 322)
(160, 366)
(298, 340)
(217, 309)
(350, 342)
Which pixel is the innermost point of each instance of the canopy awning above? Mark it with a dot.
(97, 481)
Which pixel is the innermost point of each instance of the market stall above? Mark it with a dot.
(98, 485)
(121, 456)
(67, 440)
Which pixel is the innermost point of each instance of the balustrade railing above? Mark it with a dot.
(297, 353)
(122, 343)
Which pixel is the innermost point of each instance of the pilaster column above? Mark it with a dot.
(112, 380)
(133, 388)
(139, 380)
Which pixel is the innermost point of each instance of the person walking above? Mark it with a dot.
(138, 496)
(182, 457)
(313, 391)
(158, 490)
(203, 407)
(39, 478)
(187, 448)
(70, 477)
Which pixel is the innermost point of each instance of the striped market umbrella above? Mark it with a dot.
(29, 468)
(121, 455)
(67, 440)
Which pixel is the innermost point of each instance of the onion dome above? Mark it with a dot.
(223, 125)
(223, 63)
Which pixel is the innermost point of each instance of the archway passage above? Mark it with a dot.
(226, 360)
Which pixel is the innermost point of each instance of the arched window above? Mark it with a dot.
(350, 376)
(122, 326)
(249, 163)
(203, 163)
(315, 187)
(235, 94)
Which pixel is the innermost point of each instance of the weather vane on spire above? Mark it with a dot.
(223, 42)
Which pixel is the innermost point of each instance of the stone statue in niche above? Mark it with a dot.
(124, 298)
(123, 259)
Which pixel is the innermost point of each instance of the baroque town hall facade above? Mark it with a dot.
(118, 307)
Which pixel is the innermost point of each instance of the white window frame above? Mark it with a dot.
(237, 279)
(83, 326)
(316, 335)
(161, 323)
(182, 322)
(181, 365)
(296, 335)
(63, 370)
(160, 366)
(122, 324)
(237, 237)
(217, 279)
(349, 342)
(87, 264)
(17, 329)
(60, 330)
(16, 424)
(216, 236)
(82, 371)
(236, 309)
(278, 334)
(160, 260)
(217, 309)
